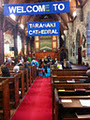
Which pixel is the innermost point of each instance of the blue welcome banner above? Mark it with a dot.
(43, 28)
(37, 8)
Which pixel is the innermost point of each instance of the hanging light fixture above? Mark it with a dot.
(13, 17)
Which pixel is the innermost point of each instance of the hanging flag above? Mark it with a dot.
(37, 8)
(43, 28)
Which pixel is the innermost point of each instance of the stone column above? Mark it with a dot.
(23, 41)
(70, 28)
(69, 39)
(1, 40)
(79, 12)
(27, 43)
(15, 31)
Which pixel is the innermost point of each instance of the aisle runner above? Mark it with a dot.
(37, 103)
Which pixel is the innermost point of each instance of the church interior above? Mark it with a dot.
(48, 76)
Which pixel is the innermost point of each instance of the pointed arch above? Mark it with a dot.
(88, 35)
(78, 47)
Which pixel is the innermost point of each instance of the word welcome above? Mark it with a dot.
(43, 28)
(37, 8)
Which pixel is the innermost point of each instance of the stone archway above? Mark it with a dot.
(63, 53)
(78, 47)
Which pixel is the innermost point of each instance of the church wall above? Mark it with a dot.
(8, 42)
(71, 36)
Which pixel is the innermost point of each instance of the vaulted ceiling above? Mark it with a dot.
(64, 18)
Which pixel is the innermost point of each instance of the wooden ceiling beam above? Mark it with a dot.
(63, 20)
(62, 26)
(77, 5)
(70, 17)
(18, 18)
(84, 3)
(6, 1)
(81, 3)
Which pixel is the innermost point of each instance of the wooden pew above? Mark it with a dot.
(27, 76)
(56, 81)
(35, 71)
(73, 86)
(65, 78)
(4, 100)
(68, 107)
(11, 67)
(26, 80)
(32, 74)
(21, 81)
(68, 72)
(13, 88)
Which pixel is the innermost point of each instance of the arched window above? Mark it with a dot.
(19, 44)
(77, 41)
(88, 35)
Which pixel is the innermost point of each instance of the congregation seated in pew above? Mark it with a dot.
(16, 69)
(66, 64)
(59, 65)
(5, 72)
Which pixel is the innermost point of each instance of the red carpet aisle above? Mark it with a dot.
(37, 104)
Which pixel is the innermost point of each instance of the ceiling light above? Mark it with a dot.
(65, 32)
(13, 16)
(4, 33)
(62, 36)
(74, 14)
(22, 26)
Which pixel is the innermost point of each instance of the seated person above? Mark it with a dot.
(40, 63)
(20, 63)
(69, 65)
(59, 65)
(25, 66)
(8, 61)
(29, 63)
(56, 61)
(46, 60)
(5, 72)
(66, 65)
(46, 63)
(88, 73)
(29, 59)
(16, 69)
(45, 67)
(49, 57)
(34, 62)
(52, 61)
(43, 71)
